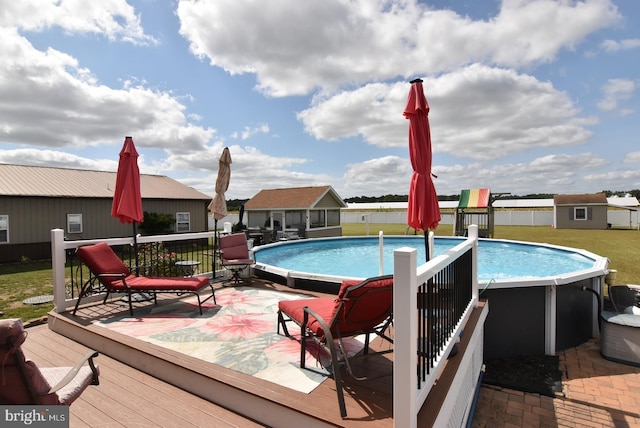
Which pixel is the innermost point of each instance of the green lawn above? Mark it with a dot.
(21, 281)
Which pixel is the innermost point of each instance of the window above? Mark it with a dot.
(579, 213)
(74, 223)
(316, 218)
(4, 228)
(183, 222)
(259, 219)
(333, 217)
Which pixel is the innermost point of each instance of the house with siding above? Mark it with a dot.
(312, 212)
(585, 211)
(34, 200)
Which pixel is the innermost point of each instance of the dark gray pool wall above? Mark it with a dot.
(517, 319)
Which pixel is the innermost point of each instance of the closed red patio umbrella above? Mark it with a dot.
(127, 199)
(424, 211)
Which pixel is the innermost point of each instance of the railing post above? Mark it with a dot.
(405, 337)
(550, 296)
(473, 234)
(381, 250)
(58, 261)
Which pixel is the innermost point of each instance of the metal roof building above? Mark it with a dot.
(36, 199)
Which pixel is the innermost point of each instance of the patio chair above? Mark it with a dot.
(110, 275)
(234, 253)
(24, 383)
(361, 308)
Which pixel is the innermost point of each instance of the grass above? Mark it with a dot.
(20, 281)
(23, 280)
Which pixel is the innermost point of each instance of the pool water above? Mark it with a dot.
(358, 257)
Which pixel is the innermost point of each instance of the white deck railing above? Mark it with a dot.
(409, 393)
(59, 248)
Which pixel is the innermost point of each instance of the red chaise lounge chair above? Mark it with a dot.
(113, 276)
(361, 308)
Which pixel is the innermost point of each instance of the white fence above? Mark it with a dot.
(617, 218)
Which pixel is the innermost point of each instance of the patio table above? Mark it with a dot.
(188, 267)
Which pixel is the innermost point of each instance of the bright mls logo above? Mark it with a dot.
(35, 416)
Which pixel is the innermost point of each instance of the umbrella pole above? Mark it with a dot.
(215, 246)
(135, 249)
(426, 244)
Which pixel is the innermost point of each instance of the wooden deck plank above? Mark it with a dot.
(127, 397)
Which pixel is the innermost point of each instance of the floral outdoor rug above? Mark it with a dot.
(238, 333)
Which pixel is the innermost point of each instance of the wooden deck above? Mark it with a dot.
(145, 385)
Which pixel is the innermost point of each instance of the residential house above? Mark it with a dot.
(312, 212)
(34, 200)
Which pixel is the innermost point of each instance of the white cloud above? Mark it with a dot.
(114, 19)
(477, 112)
(53, 158)
(72, 110)
(296, 47)
(633, 157)
(622, 45)
(251, 170)
(249, 132)
(624, 180)
(391, 175)
(547, 174)
(614, 91)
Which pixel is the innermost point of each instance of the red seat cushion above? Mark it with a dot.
(234, 247)
(237, 262)
(324, 307)
(101, 259)
(141, 283)
(366, 316)
(370, 313)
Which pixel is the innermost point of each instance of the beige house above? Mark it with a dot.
(587, 211)
(311, 212)
(34, 200)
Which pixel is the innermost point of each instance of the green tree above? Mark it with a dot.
(157, 223)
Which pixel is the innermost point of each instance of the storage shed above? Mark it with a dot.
(311, 212)
(584, 211)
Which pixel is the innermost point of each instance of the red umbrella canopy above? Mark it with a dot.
(127, 200)
(218, 205)
(423, 212)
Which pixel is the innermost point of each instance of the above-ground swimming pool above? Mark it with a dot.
(358, 257)
(536, 292)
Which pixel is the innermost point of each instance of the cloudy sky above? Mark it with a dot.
(526, 96)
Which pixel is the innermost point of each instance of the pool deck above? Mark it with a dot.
(596, 393)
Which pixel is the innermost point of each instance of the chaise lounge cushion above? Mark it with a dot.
(142, 283)
(99, 258)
